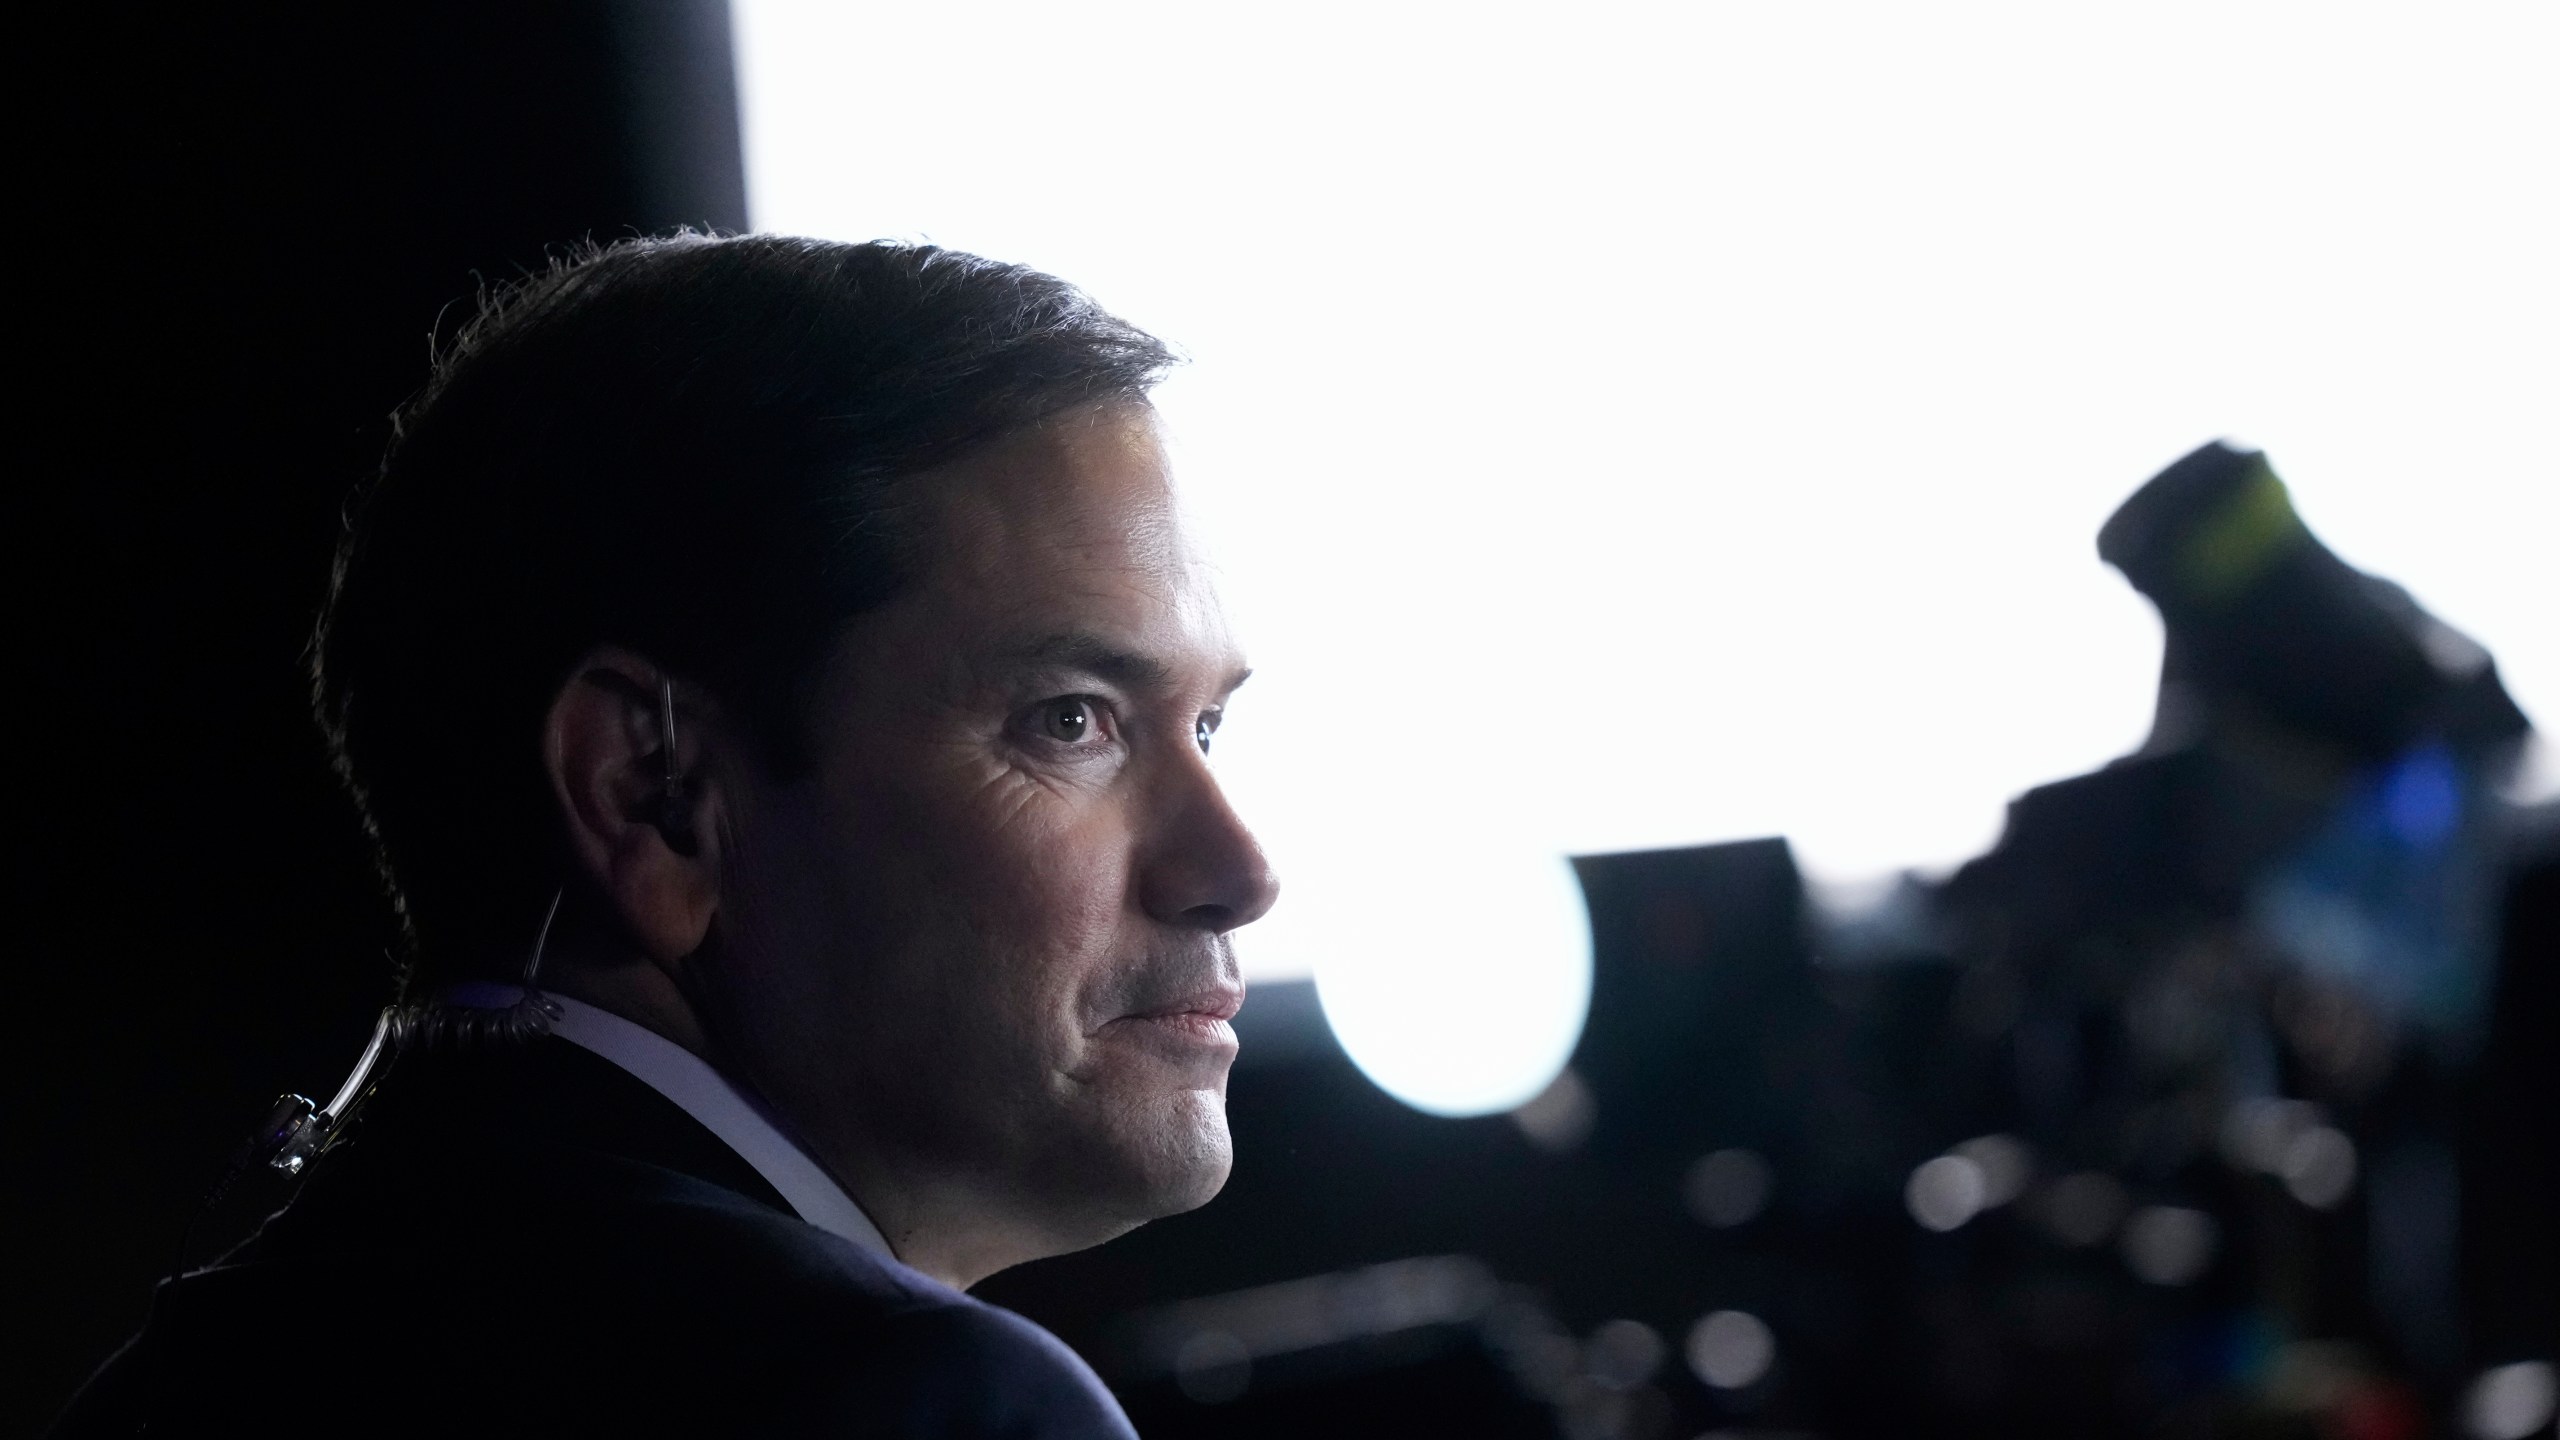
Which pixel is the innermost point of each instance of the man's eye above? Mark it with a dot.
(1204, 727)
(1070, 721)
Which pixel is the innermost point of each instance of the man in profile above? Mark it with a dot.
(781, 691)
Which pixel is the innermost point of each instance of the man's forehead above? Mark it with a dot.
(1089, 489)
(1063, 546)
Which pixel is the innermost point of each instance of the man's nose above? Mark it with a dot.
(1203, 868)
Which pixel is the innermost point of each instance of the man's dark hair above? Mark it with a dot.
(686, 446)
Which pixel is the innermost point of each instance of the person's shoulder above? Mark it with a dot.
(945, 1364)
(685, 1230)
(845, 1340)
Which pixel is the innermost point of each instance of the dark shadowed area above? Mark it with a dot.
(251, 220)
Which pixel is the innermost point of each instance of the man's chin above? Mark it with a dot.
(1162, 1158)
(1199, 1183)
(1181, 1161)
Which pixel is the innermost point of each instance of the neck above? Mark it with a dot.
(939, 1226)
(935, 1223)
(639, 992)
(916, 1219)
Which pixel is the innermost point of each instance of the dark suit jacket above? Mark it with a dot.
(537, 1242)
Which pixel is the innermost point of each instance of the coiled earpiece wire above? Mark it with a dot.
(296, 1130)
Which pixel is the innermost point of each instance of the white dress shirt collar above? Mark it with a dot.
(710, 1098)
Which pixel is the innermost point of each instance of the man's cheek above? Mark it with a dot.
(1064, 883)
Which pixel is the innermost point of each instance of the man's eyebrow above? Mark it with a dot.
(1079, 650)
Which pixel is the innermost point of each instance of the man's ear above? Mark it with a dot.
(653, 851)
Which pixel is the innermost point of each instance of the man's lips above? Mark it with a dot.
(1216, 1002)
(1200, 1015)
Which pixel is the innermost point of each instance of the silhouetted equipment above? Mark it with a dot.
(2261, 616)
(2510, 1149)
(2284, 672)
(1699, 953)
(2242, 972)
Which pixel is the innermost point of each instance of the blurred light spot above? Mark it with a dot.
(1433, 1290)
(2257, 1132)
(2320, 1167)
(2169, 1244)
(1727, 1188)
(1468, 1010)
(1559, 1118)
(2422, 797)
(1730, 1349)
(2509, 1402)
(1623, 1354)
(2004, 1164)
(2083, 1208)
(1944, 1193)
(1317, 1310)
(1212, 1367)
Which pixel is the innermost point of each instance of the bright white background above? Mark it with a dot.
(1625, 426)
